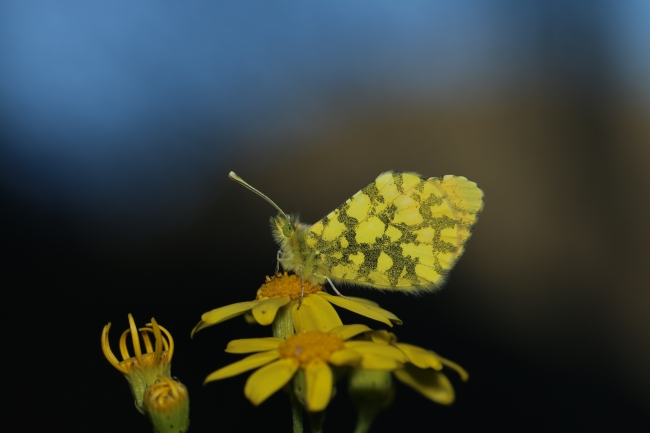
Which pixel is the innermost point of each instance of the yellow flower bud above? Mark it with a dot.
(167, 405)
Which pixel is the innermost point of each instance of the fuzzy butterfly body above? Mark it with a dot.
(401, 232)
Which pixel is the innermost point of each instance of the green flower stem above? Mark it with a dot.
(282, 327)
(296, 411)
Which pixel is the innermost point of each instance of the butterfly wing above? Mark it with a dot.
(466, 202)
(401, 232)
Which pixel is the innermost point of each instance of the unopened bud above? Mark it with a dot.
(167, 404)
(371, 390)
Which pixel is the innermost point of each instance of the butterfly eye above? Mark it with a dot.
(287, 230)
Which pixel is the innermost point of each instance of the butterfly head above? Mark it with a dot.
(284, 226)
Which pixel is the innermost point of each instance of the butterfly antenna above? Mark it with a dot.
(241, 181)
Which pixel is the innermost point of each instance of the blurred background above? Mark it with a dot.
(119, 122)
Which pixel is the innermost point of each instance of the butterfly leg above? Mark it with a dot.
(277, 263)
(302, 294)
(334, 288)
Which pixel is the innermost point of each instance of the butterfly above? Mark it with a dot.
(402, 232)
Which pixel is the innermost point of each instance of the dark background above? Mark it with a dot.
(119, 122)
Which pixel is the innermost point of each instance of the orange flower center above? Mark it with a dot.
(307, 346)
(285, 285)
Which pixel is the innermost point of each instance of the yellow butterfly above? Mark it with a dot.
(402, 232)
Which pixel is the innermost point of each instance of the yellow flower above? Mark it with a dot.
(422, 372)
(310, 351)
(316, 311)
(143, 369)
(373, 390)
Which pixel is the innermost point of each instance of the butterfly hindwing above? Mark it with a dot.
(401, 232)
(466, 201)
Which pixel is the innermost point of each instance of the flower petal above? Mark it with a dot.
(356, 307)
(393, 318)
(248, 345)
(386, 313)
(430, 383)
(267, 380)
(368, 347)
(349, 331)
(318, 383)
(345, 357)
(248, 363)
(265, 311)
(383, 337)
(376, 362)
(223, 313)
(451, 364)
(315, 314)
(229, 311)
(248, 316)
(364, 301)
(420, 357)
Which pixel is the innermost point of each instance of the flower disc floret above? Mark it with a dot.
(286, 285)
(309, 346)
